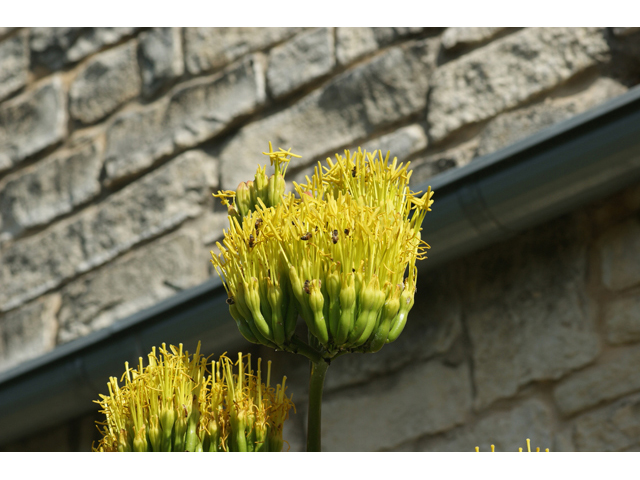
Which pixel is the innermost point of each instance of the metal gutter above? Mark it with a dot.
(542, 177)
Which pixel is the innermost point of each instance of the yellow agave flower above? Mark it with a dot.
(334, 252)
(174, 405)
(493, 447)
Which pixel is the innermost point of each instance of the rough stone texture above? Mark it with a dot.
(509, 72)
(194, 113)
(513, 126)
(507, 430)
(157, 203)
(622, 320)
(305, 57)
(161, 59)
(612, 377)
(620, 254)
(527, 311)
(434, 325)
(29, 331)
(207, 48)
(6, 30)
(624, 31)
(613, 428)
(50, 188)
(459, 37)
(353, 43)
(14, 64)
(391, 410)
(388, 88)
(31, 122)
(107, 81)
(431, 165)
(55, 47)
(134, 282)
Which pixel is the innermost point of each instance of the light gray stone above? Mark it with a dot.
(305, 57)
(508, 430)
(135, 281)
(400, 143)
(613, 428)
(14, 63)
(352, 43)
(527, 311)
(107, 81)
(624, 31)
(55, 47)
(422, 399)
(194, 113)
(28, 332)
(6, 30)
(207, 48)
(390, 87)
(436, 163)
(620, 256)
(510, 127)
(161, 59)
(50, 188)
(615, 376)
(31, 122)
(622, 320)
(144, 209)
(459, 37)
(509, 72)
(433, 326)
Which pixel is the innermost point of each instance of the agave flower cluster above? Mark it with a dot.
(335, 252)
(174, 405)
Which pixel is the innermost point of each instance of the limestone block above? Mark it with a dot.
(207, 48)
(421, 399)
(460, 37)
(510, 127)
(613, 428)
(527, 311)
(352, 105)
(136, 281)
(14, 63)
(28, 332)
(622, 320)
(50, 188)
(31, 122)
(305, 57)
(161, 59)
(107, 81)
(431, 165)
(507, 430)
(620, 256)
(353, 43)
(509, 72)
(144, 209)
(55, 47)
(194, 113)
(613, 377)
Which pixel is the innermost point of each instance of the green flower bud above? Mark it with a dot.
(406, 302)
(316, 303)
(348, 309)
(389, 312)
(261, 185)
(277, 321)
(243, 199)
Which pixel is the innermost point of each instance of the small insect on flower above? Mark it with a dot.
(258, 223)
(230, 301)
(306, 287)
(251, 241)
(334, 237)
(353, 172)
(346, 232)
(306, 236)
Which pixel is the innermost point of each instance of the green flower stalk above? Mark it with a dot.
(340, 252)
(174, 405)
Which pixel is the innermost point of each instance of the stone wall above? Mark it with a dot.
(112, 140)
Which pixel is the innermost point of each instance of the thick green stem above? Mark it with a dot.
(316, 384)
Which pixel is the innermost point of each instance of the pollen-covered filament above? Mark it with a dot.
(340, 251)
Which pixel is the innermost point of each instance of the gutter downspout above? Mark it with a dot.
(551, 173)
